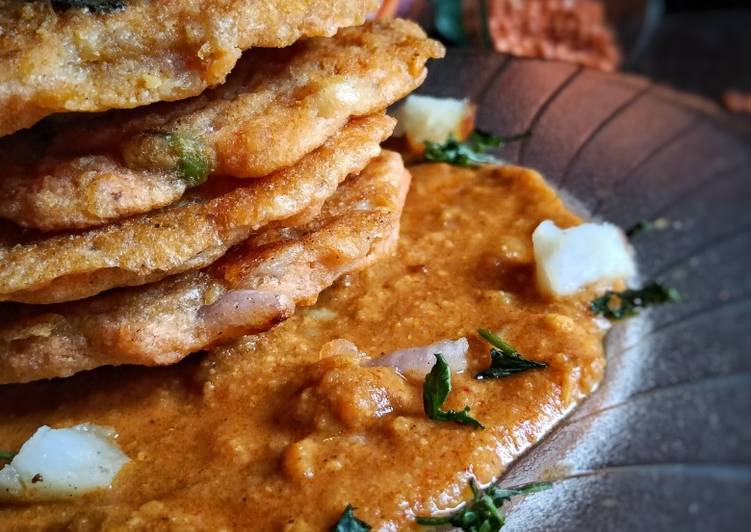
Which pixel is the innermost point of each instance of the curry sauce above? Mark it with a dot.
(280, 431)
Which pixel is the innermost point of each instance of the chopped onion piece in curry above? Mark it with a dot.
(60, 463)
(422, 359)
(571, 259)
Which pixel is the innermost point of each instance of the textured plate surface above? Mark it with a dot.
(665, 443)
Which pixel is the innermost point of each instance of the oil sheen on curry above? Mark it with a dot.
(282, 430)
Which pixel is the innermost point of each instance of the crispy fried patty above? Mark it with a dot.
(276, 106)
(185, 236)
(77, 59)
(254, 286)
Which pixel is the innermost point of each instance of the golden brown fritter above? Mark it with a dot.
(54, 60)
(256, 285)
(82, 192)
(276, 106)
(189, 235)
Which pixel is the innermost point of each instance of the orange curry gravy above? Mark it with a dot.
(282, 430)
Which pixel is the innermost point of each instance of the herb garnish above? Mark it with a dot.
(7, 455)
(192, 163)
(619, 305)
(504, 359)
(644, 226)
(483, 512)
(470, 152)
(97, 6)
(349, 523)
(448, 20)
(435, 391)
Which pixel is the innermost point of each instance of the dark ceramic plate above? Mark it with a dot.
(665, 443)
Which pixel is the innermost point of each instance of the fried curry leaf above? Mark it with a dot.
(457, 153)
(7, 455)
(97, 6)
(471, 152)
(436, 389)
(449, 20)
(619, 305)
(349, 523)
(644, 226)
(504, 359)
(483, 512)
(192, 163)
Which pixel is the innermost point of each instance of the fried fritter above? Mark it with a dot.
(276, 106)
(54, 60)
(82, 192)
(189, 235)
(256, 285)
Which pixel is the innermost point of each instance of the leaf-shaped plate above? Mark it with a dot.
(665, 442)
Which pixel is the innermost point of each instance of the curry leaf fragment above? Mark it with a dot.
(471, 152)
(643, 226)
(7, 455)
(647, 226)
(435, 391)
(449, 20)
(619, 305)
(192, 163)
(349, 523)
(97, 6)
(504, 359)
(483, 512)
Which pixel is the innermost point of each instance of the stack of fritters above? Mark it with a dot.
(139, 236)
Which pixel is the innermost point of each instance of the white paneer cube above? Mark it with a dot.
(59, 463)
(568, 260)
